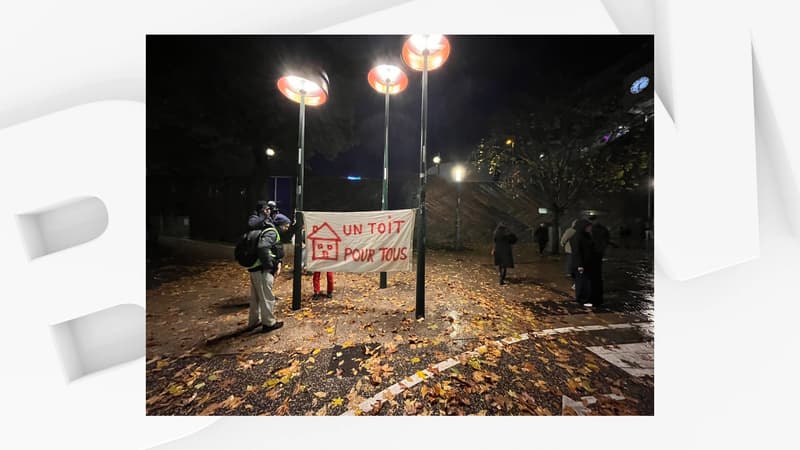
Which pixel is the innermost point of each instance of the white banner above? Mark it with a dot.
(365, 241)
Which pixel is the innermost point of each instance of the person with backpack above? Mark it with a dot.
(502, 251)
(261, 251)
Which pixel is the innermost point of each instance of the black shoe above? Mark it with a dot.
(329, 295)
(316, 296)
(275, 326)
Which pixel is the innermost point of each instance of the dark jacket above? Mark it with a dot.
(583, 250)
(270, 251)
(540, 235)
(258, 220)
(503, 240)
(600, 238)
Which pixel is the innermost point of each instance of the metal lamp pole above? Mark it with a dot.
(297, 274)
(422, 52)
(385, 190)
(309, 90)
(458, 217)
(423, 177)
(458, 176)
(270, 154)
(389, 80)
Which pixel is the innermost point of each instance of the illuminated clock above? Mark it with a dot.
(639, 85)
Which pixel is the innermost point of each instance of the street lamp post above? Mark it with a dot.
(424, 53)
(390, 80)
(306, 89)
(437, 160)
(458, 176)
(270, 152)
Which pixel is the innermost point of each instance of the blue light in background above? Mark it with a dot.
(353, 178)
(639, 85)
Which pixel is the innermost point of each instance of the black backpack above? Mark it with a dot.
(246, 251)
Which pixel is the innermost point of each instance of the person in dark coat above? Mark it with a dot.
(261, 217)
(584, 262)
(601, 240)
(541, 237)
(504, 239)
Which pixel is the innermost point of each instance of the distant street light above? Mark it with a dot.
(389, 80)
(510, 142)
(307, 89)
(437, 160)
(424, 52)
(458, 176)
(270, 152)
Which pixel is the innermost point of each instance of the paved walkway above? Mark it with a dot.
(334, 355)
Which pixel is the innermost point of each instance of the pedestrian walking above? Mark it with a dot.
(329, 287)
(584, 260)
(504, 239)
(624, 235)
(263, 272)
(541, 237)
(601, 239)
(565, 242)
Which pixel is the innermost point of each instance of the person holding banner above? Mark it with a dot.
(315, 281)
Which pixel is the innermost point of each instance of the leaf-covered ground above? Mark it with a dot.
(333, 354)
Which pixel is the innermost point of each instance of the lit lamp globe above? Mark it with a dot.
(458, 174)
(436, 46)
(310, 89)
(387, 79)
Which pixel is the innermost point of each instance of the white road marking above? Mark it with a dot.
(411, 381)
(581, 407)
(636, 358)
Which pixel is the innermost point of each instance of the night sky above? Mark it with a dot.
(482, 76)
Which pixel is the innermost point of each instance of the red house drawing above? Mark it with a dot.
(324, 243)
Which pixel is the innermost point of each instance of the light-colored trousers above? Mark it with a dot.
(262, 300)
